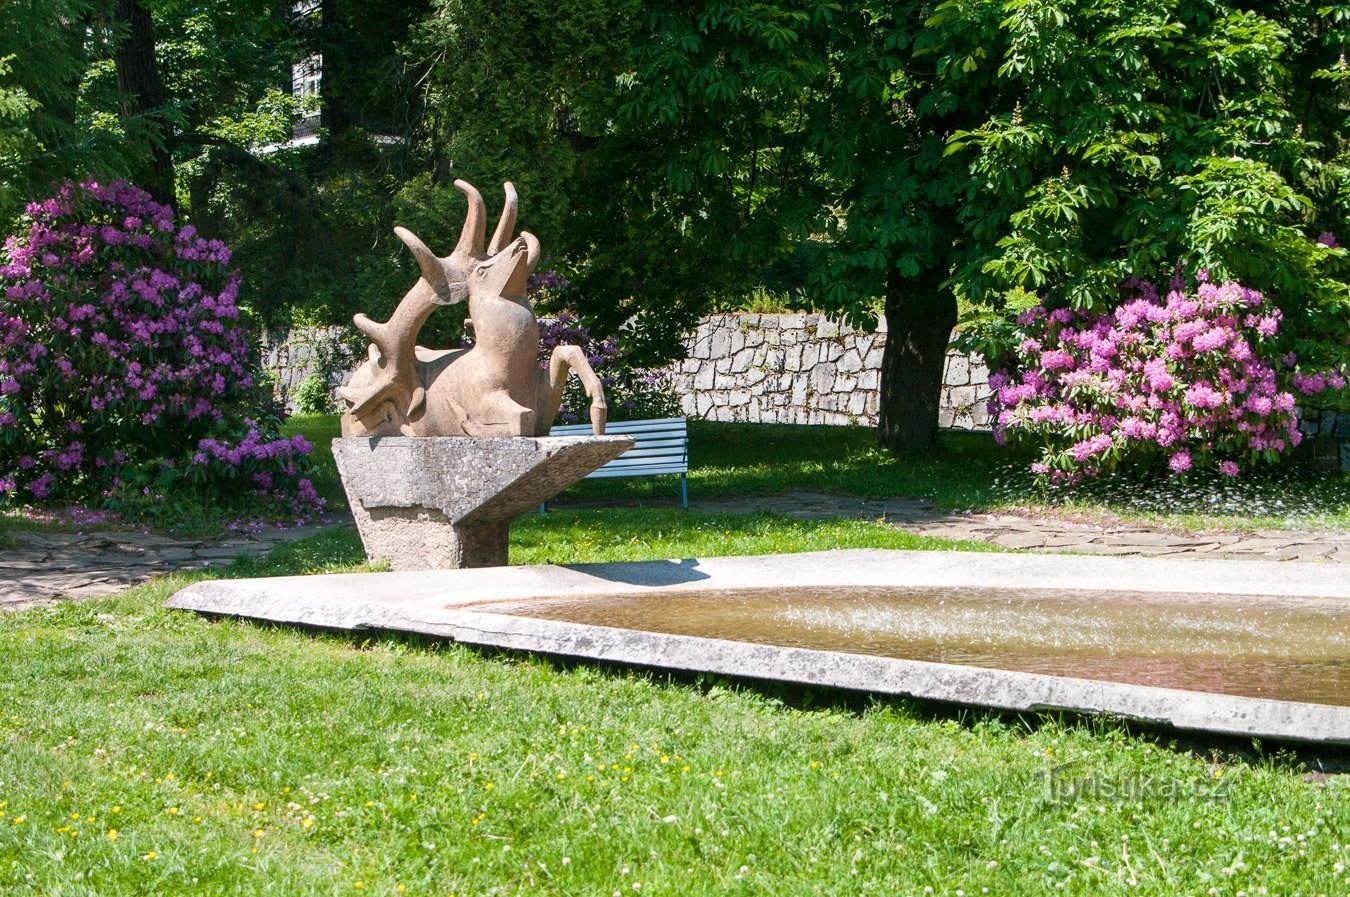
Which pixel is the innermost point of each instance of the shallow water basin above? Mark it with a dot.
(1260, 646)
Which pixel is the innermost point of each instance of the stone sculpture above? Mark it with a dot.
(495, 388)
(422, 494)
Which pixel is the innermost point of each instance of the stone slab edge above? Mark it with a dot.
(321, 601)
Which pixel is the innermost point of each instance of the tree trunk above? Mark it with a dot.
(334, 116)
(920, 315)
(142, 96)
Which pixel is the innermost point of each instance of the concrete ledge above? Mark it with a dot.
(454, 604)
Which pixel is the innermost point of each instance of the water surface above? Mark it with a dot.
(1292, 649)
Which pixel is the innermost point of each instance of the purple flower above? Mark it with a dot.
(134, 340)
(1185, 379)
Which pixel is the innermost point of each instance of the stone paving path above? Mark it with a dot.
(48, 566)
(1049, 534)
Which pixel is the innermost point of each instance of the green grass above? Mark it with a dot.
(969, 472)
(233, 758)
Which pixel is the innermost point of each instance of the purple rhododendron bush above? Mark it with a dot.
(125, 374)
(1195, 379)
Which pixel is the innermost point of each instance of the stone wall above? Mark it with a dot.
(291, 355)
(789, 369)
(1327, 436)
(805, 369)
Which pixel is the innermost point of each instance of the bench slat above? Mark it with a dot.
(606, 472)
(638, 455)
(621, 428)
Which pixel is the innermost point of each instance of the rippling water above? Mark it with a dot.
(1293, 649)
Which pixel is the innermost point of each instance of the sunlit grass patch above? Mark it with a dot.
(151, 751)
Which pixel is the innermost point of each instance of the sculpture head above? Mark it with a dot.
(502, 270)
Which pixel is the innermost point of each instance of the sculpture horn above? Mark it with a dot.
(507, 223)
(475, 222)
(433, 271)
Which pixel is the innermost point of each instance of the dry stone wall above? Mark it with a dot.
(790, 369)
(290, 355)
(806, 369)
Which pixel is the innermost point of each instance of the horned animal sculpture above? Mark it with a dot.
(494, 388)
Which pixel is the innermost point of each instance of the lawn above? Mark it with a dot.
(967, 472)
(144, 751)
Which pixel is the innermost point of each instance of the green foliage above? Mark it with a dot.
(1028, 147)
(313, 395)
(44, 130)
(1128, 137)
(509, 91)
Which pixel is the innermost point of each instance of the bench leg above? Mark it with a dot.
(684, 491)
(543, 508)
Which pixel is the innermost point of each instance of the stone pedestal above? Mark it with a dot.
(426, 503)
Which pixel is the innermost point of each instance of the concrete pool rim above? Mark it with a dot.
(442, 604)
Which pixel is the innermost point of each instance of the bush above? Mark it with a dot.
(125, 375)
(313, 395)
(1195, 379)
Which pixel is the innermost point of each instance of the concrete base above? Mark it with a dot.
(427, 503)
(474, 606)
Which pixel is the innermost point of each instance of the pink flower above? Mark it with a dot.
(1057, 359)
(1180, 461)
(1229, 468)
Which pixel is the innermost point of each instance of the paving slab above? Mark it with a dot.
(46, 567)
(1038, 533)
(490, 607)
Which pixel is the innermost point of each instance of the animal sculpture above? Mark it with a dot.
(494, 388)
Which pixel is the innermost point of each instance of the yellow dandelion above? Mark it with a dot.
(112, 834)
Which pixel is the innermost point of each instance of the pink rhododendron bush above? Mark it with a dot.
(125, 374)
(1194, 380)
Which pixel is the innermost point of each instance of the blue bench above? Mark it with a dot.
(660, 446)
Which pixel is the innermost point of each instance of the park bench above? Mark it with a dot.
(660, 446)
